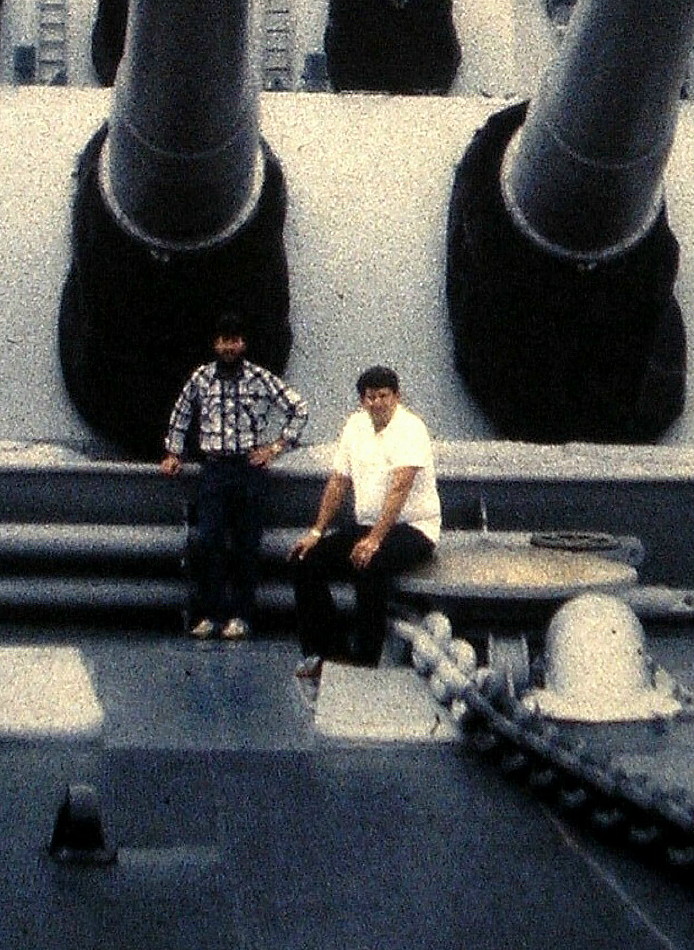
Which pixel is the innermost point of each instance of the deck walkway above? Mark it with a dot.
(240, 825)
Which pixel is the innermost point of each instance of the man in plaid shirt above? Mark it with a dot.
(232, 399)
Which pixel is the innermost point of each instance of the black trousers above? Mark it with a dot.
(229, 508)
(403, 547)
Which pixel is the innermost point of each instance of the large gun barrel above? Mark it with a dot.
(181, 164)
(108, 39)
(178, 216)
(561, 263)
(583, 176)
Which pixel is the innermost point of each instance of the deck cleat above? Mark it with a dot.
(78, 834)
(510, 653)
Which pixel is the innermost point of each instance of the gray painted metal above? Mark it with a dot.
(93, 542)
(78, 835)
(237, 827)
(507, 566)
(584, 176)
(92, 593)
(184, 169)
(120, 502)
(92, 491)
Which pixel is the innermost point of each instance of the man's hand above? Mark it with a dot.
(304, 545)
(264, 454)
(364, 550)
(399, 488)
(170, 465)
(330, 504)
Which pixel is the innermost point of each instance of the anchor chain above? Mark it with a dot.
(562, 771)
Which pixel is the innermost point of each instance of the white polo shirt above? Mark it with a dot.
(368, 458)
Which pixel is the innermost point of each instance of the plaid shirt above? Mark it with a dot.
(233, 409)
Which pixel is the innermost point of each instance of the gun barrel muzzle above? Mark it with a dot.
(583, 175)
(182, 165)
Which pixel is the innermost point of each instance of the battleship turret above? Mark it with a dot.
(561, 263)
(178, 216)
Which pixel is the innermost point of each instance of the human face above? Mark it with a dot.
(229, 349)
(380, 405)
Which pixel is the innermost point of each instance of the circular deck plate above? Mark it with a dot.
(496, 572)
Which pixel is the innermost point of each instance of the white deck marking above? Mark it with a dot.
(46, 692)
(379, 704)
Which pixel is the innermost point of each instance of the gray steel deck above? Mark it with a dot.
(239, 826)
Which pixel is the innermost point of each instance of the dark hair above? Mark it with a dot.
(378, 377)
(230, 324)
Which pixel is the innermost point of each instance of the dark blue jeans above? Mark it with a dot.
(229, 510)
(403, 547)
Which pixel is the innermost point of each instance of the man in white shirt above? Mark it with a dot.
(384, 455)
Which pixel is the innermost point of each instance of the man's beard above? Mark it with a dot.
(228, 367)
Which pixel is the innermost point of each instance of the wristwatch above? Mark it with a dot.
(316, 532)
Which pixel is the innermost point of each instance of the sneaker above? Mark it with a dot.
(235, 629)
(310, 667)
(203, 629)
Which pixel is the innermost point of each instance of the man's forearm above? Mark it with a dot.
(398, 493)
(174, 441)
(331, 501)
